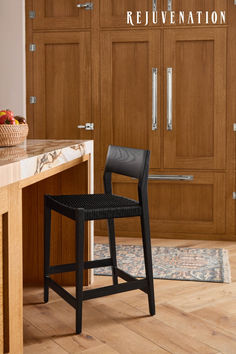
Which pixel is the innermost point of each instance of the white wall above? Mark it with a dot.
(12, 56)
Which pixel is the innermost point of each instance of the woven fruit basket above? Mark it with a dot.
(11, 135)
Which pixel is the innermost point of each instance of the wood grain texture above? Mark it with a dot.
(231, 88)
(6, 334)
(59, 14)
(198, 137)
(117, 58)
(191, 317)
(13, 243)
(1, 287)
(13, 272)
(177, 207)
(29, 68)
(62, 65)
(127, 60)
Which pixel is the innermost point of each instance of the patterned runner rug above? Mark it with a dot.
(172, 263)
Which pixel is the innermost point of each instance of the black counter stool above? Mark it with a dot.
(125, 161)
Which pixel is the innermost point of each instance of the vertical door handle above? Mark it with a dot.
(169, 99)
(154, 5)
(169, 5)
(154, 98)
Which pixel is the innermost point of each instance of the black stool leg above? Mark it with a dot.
(47, 235)
(112, 244)
(79, 268)
(148, 259)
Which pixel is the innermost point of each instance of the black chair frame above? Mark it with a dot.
(126, 161)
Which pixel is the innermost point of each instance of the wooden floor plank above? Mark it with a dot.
(208, 332)
(55, 326)
(102, 349)
(165, 335)
(111, 332)
(192, 301)
(36, 343)
(192, 317)
(223, 316)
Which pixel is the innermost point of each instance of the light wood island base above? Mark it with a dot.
(41, 166)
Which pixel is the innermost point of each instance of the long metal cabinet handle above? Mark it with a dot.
(169, 99)
(154, 99)
(169, 5)
(170, 178)
(154, 5)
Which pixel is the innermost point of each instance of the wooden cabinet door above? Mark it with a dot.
(189, 208)
(57, 14)
(127, 59)
(113, 13)
(197, 139)
(62, 85)
(193, 207)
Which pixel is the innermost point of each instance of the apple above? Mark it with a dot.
(7, 117)
(3, 118)
(10, 113)
(10, 120)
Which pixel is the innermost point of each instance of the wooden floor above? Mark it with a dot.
(191, 317)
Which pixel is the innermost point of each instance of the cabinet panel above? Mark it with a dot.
(113, 13)
(192, 207)
(62, 85)
(198, 136)
(127, 60)
(56, 14)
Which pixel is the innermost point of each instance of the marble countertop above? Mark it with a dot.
(35, 156)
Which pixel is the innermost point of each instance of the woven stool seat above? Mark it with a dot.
(96, 206)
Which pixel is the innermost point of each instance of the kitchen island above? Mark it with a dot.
(27, 172)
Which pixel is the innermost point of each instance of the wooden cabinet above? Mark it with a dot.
(196, 141)
(127, 60)
(90, 66)
(58, 14)
(197, 138)
(62, 84)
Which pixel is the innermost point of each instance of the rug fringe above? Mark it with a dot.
(226, 267)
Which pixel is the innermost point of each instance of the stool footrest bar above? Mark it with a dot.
(61, 292)
(63, 268)
(125, 276)
(98, 263)
(99, 292)
(115, 289)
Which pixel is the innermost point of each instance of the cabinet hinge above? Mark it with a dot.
(32, 100)
(234, 195)
(234, 125)
(32, 15)
(32, 47)
(234, 2)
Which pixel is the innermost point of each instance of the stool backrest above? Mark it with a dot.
(128, 162)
